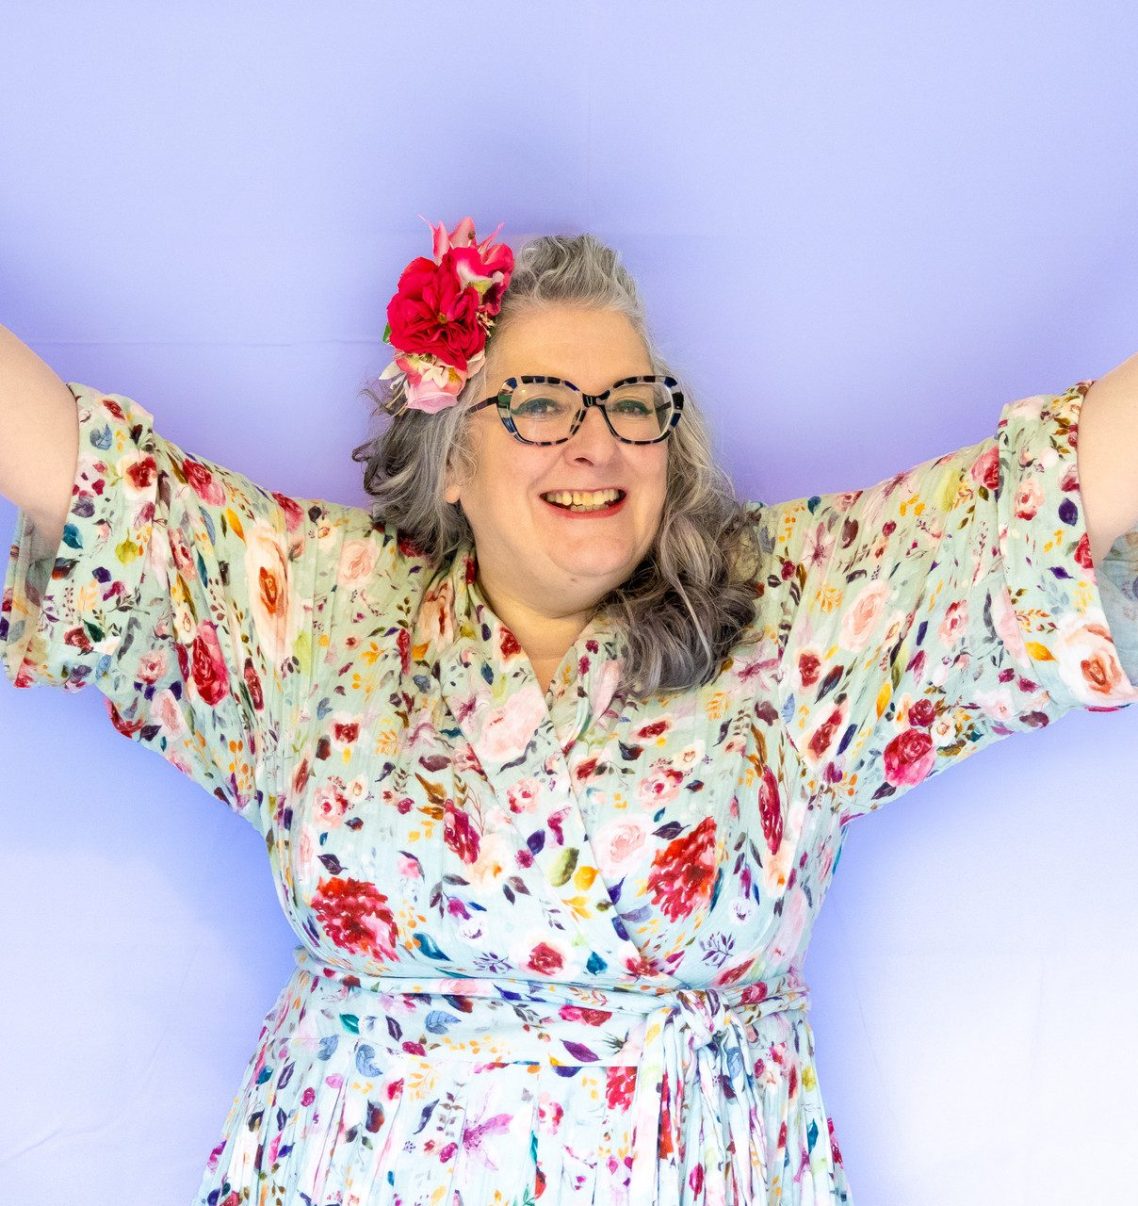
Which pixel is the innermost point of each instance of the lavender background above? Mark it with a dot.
(860, 231)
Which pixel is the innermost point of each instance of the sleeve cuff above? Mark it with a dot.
(1060, 602)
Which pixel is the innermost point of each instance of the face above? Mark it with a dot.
(530, 550)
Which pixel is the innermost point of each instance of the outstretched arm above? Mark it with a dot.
(39, 439)
(1108, 457)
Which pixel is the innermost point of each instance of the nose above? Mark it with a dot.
(593, 441)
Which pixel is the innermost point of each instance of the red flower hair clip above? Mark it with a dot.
(441, 316)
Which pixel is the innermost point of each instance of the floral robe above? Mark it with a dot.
(550, 943)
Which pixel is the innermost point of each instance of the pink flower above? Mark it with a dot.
(507, 730)
(861, 616)
(618, 844)
(272, 601)
(357, 562)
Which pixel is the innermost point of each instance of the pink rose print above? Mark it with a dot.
(357, 562)
(861, 617)
(507, 730)
(271, 602)
(922, 713)
(986, 469)
(660, 786)
(792, 925)
(952, 628)
(523, 796)
(1088, 662)
(356, 917)
(618, 844)
(909, 758)
(151, 666)
(1028, 498)
(683, 873)
(459, 833)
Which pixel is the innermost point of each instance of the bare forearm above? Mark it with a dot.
(38, 436)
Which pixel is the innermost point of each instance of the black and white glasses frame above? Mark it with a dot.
(505, 394)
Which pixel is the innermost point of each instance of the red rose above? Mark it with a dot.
(356, 917)
(809, 667)
(922, 713)
(1083, 552)
(403, 644)
(459, 833)
(509, 643)
(544, 960)
(683, 873)
(141, 473)
(254, 685)
(125, 727)
(205, 485)
(209, 674)
(293, 512)
(434, 314)
(909, 758)
(770, 810)
(823, 736)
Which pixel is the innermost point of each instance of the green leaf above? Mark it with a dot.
(565, 866)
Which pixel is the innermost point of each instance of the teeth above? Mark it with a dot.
(582, 498)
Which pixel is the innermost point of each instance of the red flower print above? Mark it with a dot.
(509, 644)
(79, 638)
(922, 713)
(407, 547)
(125, 727)
(620, 1084)
(544, 960)
(823, 736)
(254, 685)
(1083, 552)
(459, 833)
(770, 810)
(986, 470)
(204, 665)
(834, 1142)
(909, 758)
(293, 512)
(355, 916)
(114, 408)
(204, 483)
(403, 643)
(579, 1013)
(809, 667)
(141, 473)
(683, 873)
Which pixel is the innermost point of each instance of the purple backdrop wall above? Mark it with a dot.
(860, 230)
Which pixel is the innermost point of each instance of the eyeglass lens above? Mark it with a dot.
(542, 411)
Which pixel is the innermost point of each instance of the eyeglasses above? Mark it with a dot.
(549, 410)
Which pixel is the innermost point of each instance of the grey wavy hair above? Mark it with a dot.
(689, 600)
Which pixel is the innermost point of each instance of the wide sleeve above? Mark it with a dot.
(947, 607)
(181, 590)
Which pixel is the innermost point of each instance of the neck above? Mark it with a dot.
(544, 635)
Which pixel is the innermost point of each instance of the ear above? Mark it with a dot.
(451, 489)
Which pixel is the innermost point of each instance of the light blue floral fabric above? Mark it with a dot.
(550, 943)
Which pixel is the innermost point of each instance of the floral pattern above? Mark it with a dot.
(551, 943)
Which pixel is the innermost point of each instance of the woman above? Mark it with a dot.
(553, 752)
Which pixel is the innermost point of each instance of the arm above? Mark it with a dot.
(1108, 449)
(40, 441)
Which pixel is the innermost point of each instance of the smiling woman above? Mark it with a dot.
(672, 565)
(551, 797)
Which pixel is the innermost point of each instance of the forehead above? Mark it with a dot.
(589, 347)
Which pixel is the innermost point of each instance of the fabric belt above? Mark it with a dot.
(697, 1100)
